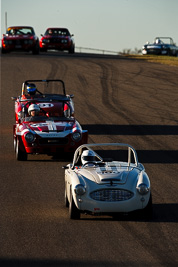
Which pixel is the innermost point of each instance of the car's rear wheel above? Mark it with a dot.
(20, 155)
(74, 213)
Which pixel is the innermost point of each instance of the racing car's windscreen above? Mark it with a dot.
(48, 87)
(111, 153)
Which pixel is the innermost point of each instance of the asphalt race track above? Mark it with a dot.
(117, 100)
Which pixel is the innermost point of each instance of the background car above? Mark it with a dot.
(108, 180)
(54, 130)
(20, 38)
(161, 46)
(57, 39)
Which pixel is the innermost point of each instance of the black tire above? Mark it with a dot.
(74, 213)
(66, 201)
(147, 212)
(72, 50)
(3, 51)
(43, 50)
(36, 49)
(20, 155)
(15, 144)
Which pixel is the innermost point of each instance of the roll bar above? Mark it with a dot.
(43, 81)
(130, 149)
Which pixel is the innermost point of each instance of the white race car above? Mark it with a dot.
(98, 185)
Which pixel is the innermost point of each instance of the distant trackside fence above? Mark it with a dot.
(94, 50)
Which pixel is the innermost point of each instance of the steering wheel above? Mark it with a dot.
(39, 92)
(89, 162)
(25, 109)
(43, 111)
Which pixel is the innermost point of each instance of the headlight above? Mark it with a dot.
(29, 137)
(45, 41)
(5, 42)
(64, 41)
(143, 189)
(80, 189)
(76, 136)
(28, 41)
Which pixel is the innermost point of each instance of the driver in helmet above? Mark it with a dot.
(33, 110)
(88, 158)
(158, 41)
(31, 91)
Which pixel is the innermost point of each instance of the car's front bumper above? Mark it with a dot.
(54, 145)
(55, 46)
(18, 46)
(88, 205)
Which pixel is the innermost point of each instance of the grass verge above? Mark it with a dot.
(171, 61)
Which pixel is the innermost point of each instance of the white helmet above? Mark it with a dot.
(158, 41)
(88, 156)
(34, 107)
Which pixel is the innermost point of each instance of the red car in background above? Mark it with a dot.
(20, 38)
(53, 130)
(57, 39)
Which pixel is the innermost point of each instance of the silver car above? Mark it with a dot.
(114, 185)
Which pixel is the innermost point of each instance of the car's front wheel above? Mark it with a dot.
(15, 144)
(36, 49)
(72, 49)
(20, 155)
(66, 199)
(74, 213)
(3, 51)
(147, 212)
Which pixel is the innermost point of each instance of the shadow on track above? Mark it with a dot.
(166, 212)
(64, 54)
(103, 129)
(144, 156)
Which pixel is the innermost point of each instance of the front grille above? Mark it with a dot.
(16, 42)
(55, 41)
(111, 195)
(51, 141)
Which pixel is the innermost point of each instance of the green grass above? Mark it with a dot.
(171, 61)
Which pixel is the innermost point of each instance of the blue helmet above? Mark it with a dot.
(31, 89)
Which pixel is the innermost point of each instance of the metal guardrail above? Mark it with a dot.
(94, 50)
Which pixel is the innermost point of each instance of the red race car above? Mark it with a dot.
(57, 39)
(20, 38)
(45, 122)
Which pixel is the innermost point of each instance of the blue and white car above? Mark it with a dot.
(161, 46)
(111, 186)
